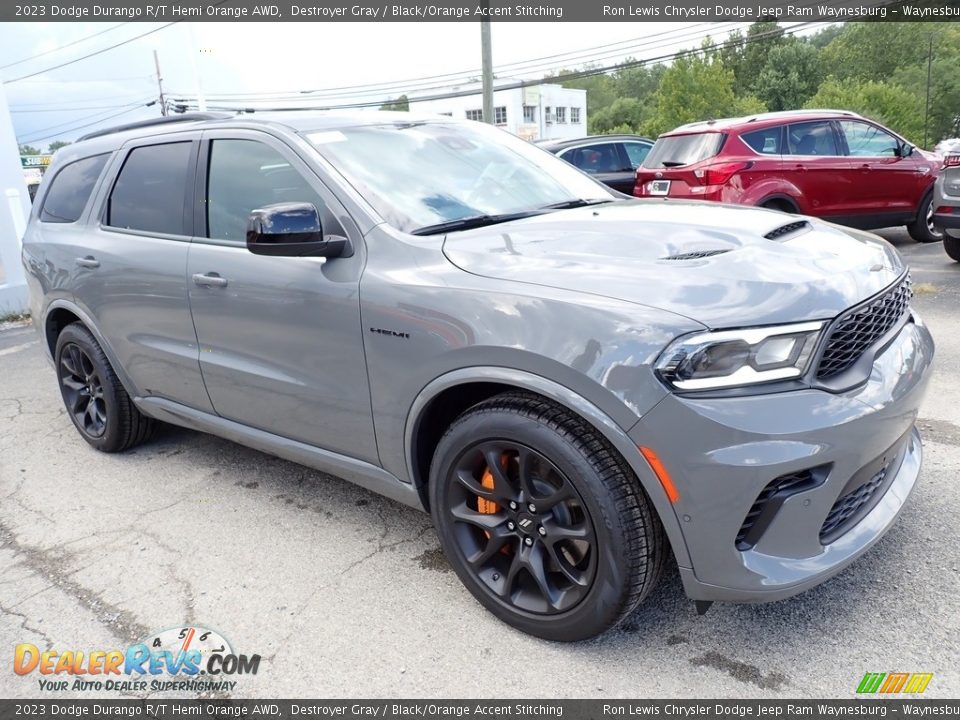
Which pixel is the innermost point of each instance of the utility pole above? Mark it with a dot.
(926, 109)
(163, 102)
(487, 55)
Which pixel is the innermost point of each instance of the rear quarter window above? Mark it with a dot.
(677, 150)
(70, 189)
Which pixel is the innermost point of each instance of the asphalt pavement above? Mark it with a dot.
(345, 594)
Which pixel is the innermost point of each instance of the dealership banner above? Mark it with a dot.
(473, 10)
(493, 709)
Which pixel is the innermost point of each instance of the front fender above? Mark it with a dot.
(569, 399)
(774, 188)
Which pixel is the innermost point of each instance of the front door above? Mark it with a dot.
(886, 182)
(607, 162)
(280, 341)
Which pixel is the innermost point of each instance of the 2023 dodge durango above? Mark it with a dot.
(575, 385)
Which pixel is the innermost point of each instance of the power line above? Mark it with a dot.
(63, 47)
(68, 109)
(90, 55)
(556, 79)
(95, 122)
(62, 127)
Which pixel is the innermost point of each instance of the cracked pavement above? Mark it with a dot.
(345, 594)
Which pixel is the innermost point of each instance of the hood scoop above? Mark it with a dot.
(696, 254)
(786, 230)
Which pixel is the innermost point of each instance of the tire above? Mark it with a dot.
(111, 422)
(569, 569)
(922, 229)
(781, 205)
(952, 245)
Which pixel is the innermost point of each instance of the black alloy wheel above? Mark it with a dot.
(82, 390)
(93, 395)
(522, 527)
(542, 520)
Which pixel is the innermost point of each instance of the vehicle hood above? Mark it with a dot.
(619, 251)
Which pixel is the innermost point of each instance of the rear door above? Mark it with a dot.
(885, 182)
(129, 267)
(814, 162)
(280, 337)
(607, 161)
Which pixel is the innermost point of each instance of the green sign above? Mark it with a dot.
(35, 161)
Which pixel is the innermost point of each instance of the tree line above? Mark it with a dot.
(905, 75)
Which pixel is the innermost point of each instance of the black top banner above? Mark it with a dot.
(160, 709)
(474, 10)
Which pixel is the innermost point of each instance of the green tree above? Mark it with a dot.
(886, 103)
(29, 150)
(790, 77)
(875, 51)
(600, 88)
(944, 101)
(402, 104)
(623, 115)
(56, 145)
(698, 88)
(747, 56)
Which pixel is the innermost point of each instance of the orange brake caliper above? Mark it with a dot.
(484, 506)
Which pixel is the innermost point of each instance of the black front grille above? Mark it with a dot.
(846, 510)
(861, 327)
(787, 229)
(765, 507)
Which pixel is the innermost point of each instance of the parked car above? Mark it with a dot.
(611, 159)
(830, 164)
(946, 199)
(947, 147)
(575, 385)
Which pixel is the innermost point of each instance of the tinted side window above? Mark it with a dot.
(594, 159)
(636, 152)
(766, 141)
(245, 175)
(866, 140)
(71, 188)
(150, 192)
(812, 138)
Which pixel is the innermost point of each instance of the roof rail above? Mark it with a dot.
(170, 119)
(802, 111)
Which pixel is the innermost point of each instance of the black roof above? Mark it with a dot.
(555, 145)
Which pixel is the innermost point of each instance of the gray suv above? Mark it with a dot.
(946, 203)
(577, 386)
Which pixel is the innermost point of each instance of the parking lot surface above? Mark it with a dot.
(346, 594)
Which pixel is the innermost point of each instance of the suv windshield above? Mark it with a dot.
(432, 176)
(677, 150)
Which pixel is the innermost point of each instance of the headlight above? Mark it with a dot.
(729, 358)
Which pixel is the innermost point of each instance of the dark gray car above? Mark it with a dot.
(579, 388)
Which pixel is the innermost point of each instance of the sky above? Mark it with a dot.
(111, 88)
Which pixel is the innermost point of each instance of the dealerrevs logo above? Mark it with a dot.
(191, 658)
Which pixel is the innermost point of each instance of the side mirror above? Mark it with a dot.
(290, 230)
(906, 150)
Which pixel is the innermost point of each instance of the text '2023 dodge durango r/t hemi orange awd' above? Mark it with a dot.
(577, 386)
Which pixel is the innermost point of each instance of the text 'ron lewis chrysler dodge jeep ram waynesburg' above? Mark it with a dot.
(577, 386)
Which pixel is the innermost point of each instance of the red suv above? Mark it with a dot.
(832, 164)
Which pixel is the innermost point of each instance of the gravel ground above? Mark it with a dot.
(346, 594)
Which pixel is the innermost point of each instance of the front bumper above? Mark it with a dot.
(722, 453)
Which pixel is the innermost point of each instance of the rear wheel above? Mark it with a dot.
(542, 520)
(781, 205)
(952, 245)
(922, 229)
(96, 401)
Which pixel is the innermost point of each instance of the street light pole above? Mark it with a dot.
(926, 109)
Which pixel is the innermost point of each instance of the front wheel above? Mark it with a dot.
(952, 245)
(542, 520)
(922, 229)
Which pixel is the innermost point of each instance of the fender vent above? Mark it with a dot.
(788, 229)
(696, 254)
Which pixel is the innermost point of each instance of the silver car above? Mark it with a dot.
(578, 387)
(946, 203)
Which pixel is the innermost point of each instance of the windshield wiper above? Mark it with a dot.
(475, 221)
(579, 202)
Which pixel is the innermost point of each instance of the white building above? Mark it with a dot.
(536, 112)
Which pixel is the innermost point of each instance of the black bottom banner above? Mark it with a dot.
(176, 709)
